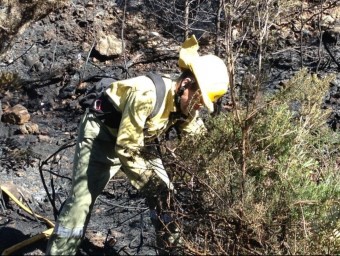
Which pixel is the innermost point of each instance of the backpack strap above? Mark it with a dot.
(98, 103)
(160, 91)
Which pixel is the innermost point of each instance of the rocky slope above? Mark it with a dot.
(47, 61)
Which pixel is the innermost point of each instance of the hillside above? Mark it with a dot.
(51, 52)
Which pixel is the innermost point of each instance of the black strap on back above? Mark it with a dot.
(103, 109)
(160, 91)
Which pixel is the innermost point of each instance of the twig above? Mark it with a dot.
(301, 34)
(53, 56)
(193, 250)
(122, 206)
(320, 38)
(203, 183)
(87, 58)
(213, 232)
(140, 235)
(4, 28)
(129, 218)
(332, 56)
(58, 175)
(29, 206)
(307, 202)
(66, 145)
(122, 37)
(12, 62)
(304, 221)
(2, 202)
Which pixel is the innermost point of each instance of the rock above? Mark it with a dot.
(29, 128)
(16, 191)
(108, 45)
(154, 34)
(67, 92)
(327, 21)
(30, 60)
(17, 15)
(13, 189)
(44, 138)
(16, 115)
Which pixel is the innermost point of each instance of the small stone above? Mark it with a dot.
(16, 115)
(109, 45)
(44, 138)
(29, 128)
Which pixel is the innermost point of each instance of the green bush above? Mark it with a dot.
(265, 178)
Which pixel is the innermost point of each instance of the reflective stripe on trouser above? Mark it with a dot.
(94, 164)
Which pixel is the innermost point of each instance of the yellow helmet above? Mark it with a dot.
(209, 70)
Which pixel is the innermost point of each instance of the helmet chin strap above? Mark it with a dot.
(178, 115)
(178, 96)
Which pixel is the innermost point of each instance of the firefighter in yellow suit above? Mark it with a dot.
(101, 153)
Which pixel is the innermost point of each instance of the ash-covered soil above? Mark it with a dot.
(52, 63)
(120, 223)
(49, 61)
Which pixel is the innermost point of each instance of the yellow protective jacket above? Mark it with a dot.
(135, 98)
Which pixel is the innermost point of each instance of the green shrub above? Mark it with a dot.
(265, 178)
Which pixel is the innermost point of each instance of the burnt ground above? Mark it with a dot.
(48, 63)
(119, 223)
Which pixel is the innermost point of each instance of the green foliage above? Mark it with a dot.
(269, 176)
(7, 77)
(8, 80)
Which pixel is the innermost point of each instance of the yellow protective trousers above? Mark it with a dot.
(94, 164)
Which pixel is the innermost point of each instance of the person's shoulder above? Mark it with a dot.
(142, 88)
(138, 83)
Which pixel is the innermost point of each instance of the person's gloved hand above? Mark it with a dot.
(159, 169)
